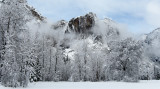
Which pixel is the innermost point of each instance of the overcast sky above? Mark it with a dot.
(140, 16)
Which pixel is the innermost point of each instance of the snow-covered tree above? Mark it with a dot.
(124, 56)
(146, 69)
(13, 23)
(36, 56)
(98, 53)
(80, 66)
(97, 65)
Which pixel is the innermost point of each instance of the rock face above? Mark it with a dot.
(152, 42)
(82, 24)
(89, 24)
(59, 24)
(153, 36)
(35, 13)
(112, 29)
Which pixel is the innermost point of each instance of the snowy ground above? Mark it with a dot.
(90, 85)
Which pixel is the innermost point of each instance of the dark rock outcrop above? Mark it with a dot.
(35, 13)
(82, 24)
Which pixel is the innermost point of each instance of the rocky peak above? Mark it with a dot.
(153, 36)
(22, 1)
(82, 24)
(35, 13)
(152, 42)
(59, 24)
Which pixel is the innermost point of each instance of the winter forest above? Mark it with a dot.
(86, 48)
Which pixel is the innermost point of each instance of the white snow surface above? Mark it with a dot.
(154, 84)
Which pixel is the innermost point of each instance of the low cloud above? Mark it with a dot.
(145, 11)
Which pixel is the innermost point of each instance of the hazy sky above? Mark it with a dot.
(141, 16)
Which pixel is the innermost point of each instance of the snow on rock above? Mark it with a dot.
(82, 24)
(59, 25)
(154, 35)
(152, 42)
